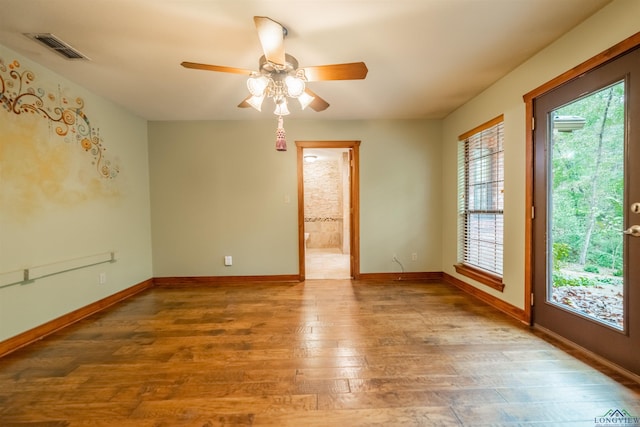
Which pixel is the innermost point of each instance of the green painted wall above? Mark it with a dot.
(219, 188)
(55, 206)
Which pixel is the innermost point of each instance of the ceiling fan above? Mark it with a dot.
(279, 77)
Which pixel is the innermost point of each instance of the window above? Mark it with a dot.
(481, 203)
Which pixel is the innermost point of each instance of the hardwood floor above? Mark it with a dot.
(319, 353)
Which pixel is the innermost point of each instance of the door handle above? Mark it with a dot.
(634, 230)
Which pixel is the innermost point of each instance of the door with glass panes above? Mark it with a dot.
(587, 211)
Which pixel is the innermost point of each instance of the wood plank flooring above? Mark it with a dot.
(318, 353)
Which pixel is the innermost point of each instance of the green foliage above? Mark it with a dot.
(560, 279)
(587, 183)
(591, 269)
(606, 257)
(609, 281)
(561, 253)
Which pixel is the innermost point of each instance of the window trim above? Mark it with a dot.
(485, 277)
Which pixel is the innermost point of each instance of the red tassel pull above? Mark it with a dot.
(281, 143)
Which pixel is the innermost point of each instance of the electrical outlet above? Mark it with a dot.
(228, 260)
(102, 278)
(414, 256)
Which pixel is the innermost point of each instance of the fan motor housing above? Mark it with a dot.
(290, 65)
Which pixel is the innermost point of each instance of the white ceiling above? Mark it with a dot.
(425, 57)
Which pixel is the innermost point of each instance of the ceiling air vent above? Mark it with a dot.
(57, 45)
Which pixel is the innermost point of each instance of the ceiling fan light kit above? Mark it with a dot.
(280, 78)
(278, 82)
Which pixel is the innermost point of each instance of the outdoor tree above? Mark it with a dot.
(588, 180)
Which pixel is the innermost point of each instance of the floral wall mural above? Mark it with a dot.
(64, 195)
(51, 153)
(18, 95)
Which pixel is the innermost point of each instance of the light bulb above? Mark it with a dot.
(305, 99)
(257, 85)
(295, 86)
(281, 108)
(256, 102)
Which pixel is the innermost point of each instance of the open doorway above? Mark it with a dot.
(327, 209)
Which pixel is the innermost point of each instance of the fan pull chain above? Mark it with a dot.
(281, 143)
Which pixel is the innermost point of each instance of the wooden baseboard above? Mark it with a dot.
(587, 353)
(39, 332)
(212, 280)
(433, 276)
(501, 305)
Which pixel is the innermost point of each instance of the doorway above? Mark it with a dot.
(328, 209)
(586, 247)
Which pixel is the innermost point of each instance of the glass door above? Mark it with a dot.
(587, 202)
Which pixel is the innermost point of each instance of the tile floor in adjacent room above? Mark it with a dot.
(326, 263)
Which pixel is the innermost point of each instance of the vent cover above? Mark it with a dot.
(55, 44)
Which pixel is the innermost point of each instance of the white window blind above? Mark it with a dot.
(481, 197)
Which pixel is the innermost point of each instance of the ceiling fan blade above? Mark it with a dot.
(244, 103)
(271, 35)
(350, 71)
(221, 68)
(318, 104)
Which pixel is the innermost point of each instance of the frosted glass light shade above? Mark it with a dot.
(295, 86)
(305, 99)
(281, 109)
(257, 85)
(256, 102)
